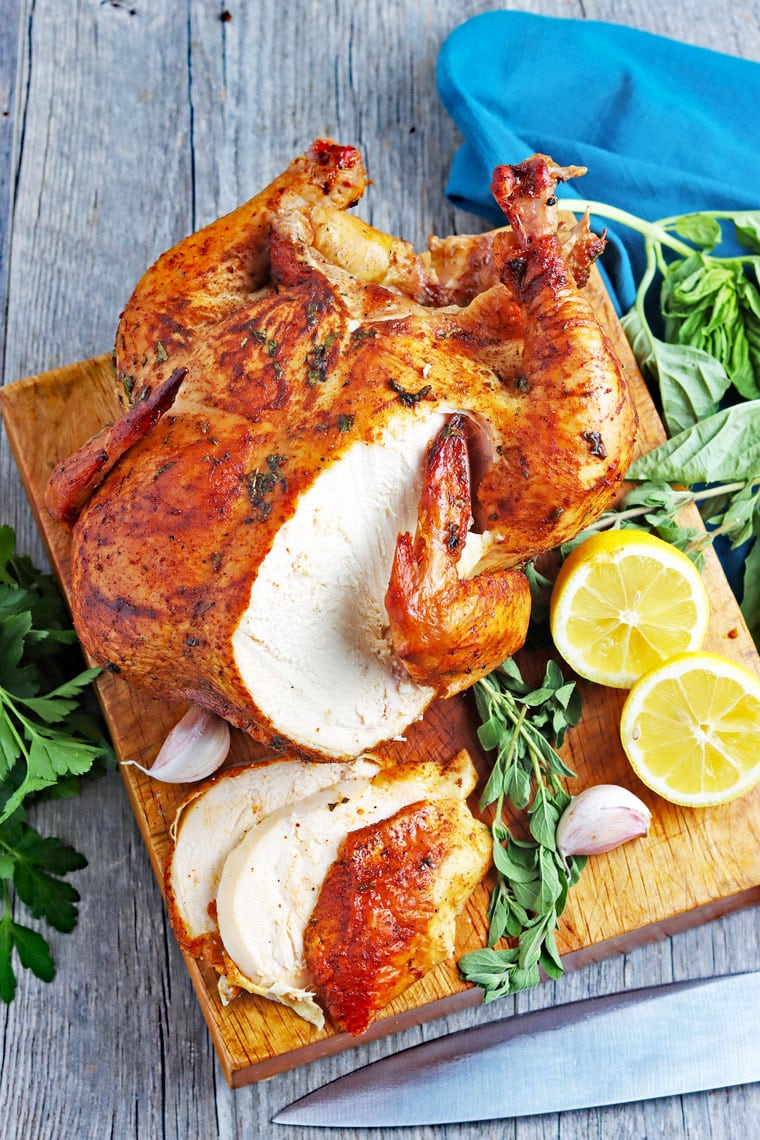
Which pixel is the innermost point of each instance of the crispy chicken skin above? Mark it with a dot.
(216, 271)
(387, 908)
(575, 440)
(77, 476)
(294, 370)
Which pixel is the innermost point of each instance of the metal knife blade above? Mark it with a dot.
(659, 1041)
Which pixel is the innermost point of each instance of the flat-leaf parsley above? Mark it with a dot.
(47, 741)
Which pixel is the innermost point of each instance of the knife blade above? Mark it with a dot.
(657, 1041)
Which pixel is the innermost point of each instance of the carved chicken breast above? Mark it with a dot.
(214, 818)
(254, 851)
(387, 910)
(313, 516)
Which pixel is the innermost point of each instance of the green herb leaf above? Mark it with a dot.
(691, 382)
(750, 605)
(701, 229)
(709, 302)
(493, 970)
(61, 702)
(32, 949)
(38, 866)
(710, 305)
(47, 740)
(747, 229)
(550, 961)
(519, 724)
(723, 448)
(543, 817)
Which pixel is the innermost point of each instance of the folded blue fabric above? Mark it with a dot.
(664, 128)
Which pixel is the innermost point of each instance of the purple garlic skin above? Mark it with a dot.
(600, 818)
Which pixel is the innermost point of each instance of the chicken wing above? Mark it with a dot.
(449, 630)
(216, 271)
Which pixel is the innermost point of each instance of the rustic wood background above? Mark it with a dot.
(124, 124)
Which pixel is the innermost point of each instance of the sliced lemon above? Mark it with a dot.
(623, 601)
(691, 729)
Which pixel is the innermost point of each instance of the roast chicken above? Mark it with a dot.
(337, 455)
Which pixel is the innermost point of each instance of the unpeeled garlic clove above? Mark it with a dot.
(600, 818)
(196, 746)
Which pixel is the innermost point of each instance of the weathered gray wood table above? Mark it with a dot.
(125, 124)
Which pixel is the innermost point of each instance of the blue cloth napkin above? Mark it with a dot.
(664, 128)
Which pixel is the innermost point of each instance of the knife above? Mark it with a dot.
(658, 1041)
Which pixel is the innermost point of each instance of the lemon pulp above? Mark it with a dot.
(691, 729)
(623, 602)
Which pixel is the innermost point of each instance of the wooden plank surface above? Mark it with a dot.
(125, 125)
(630, 896)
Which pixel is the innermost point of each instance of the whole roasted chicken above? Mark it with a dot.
(336, 455)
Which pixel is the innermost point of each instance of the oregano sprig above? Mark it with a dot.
(522, 724)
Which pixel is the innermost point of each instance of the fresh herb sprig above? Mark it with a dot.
(521, 724)
(35, 866)
(707, 369)
(48, 739)
(715, 464)
(709, 304)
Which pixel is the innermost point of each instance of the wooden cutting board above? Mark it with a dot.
(693, 866)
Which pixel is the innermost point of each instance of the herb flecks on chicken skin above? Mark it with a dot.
(238, 554)
(387, 910)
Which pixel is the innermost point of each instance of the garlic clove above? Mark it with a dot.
(599, 819)
(196, 746)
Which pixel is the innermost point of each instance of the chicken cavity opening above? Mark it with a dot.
(313, 647)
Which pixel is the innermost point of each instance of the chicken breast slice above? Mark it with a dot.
(271, 880)
(388, 907)
(313, 647)
(214, 818)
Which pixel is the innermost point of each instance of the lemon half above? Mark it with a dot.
(691, 729)
(624, 601)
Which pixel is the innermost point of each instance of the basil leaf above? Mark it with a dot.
(740, 515)
(656, 494)
(723, 448)
(750, 605)
(700, 229)
(691, 382)
(747, 227)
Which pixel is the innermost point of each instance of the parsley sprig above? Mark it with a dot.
(522, 724)
(48, 739)
(35, 866)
